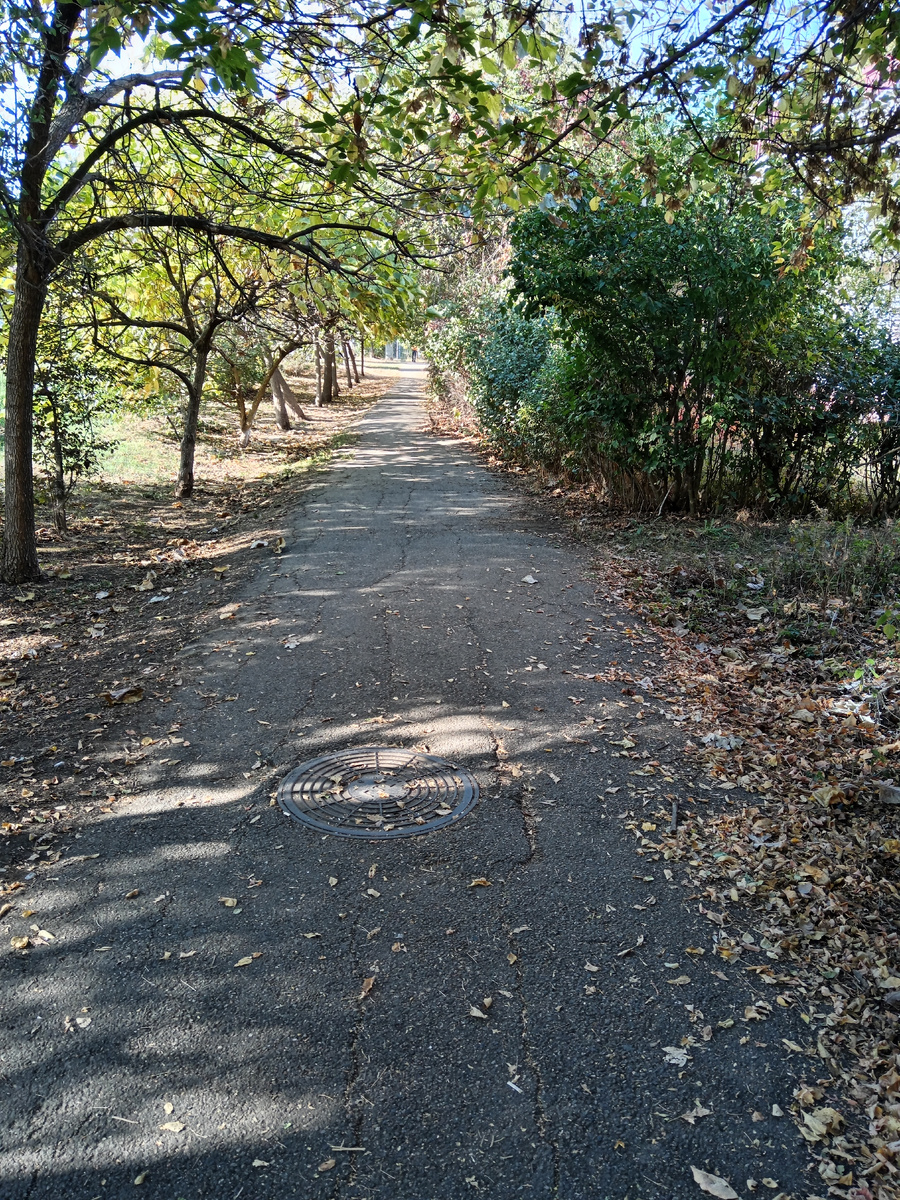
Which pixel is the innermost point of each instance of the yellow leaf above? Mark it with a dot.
(244, 962)
(173, 1126)
(480, 883)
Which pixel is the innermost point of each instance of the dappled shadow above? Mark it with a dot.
(515, 1004)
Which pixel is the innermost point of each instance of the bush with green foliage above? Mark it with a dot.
(686, 359)
(72, 390)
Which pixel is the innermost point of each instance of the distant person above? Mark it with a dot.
(415, 353)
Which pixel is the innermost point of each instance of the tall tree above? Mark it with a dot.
(80, 145)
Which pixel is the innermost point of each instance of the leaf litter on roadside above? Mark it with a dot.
(797, 867)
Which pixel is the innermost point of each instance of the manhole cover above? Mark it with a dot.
(377, 792)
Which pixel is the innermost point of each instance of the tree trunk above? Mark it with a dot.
(330, 389)
(287, 395)
(20, 560)
(184, 486)
(352, 360)
(59, 477)
(282, 420)
(362, 354)
(346, 356)
(319, 379)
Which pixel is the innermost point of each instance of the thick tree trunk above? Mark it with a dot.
(346, 356)
(352, 360)
(184, 486)
(20, 560)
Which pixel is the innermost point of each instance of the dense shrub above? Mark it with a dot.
(683, 359)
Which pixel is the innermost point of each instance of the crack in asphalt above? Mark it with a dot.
(537, 872)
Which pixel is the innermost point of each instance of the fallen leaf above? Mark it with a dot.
(332, 881)
(173, 1126)
(676, 1055)
(228, 901)
(139, 1179)
(373, 933)
(133, 894)
(372, 892)
(715, 1185)
(476, 1012)
(480, 883)
(590, 967)
(528, 579)
(820, 1123)
(368, 984)
(258, 1162)
(696, 1113)
(680, 981)
(329, 1162)
(124, 695)
(244, 962)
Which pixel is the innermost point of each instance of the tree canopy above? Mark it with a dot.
(359, 144)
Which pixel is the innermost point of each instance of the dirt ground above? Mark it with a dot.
(136, 577)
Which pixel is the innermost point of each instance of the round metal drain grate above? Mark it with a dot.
(377, 792)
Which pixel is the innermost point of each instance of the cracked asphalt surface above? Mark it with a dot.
(401, 595)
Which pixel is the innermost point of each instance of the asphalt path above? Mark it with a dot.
(343, 1061)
